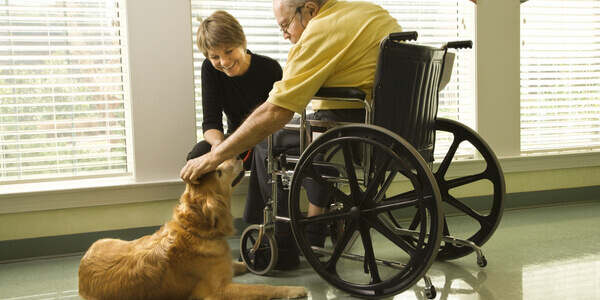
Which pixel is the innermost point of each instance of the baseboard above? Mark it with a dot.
(64, 244)
(52, 246)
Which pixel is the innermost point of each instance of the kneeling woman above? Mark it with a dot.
(234, 80)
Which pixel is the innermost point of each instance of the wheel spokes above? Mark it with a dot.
(467, 210)
(332, 189)
(369, 254)
(381, 194)
(341, 245)
(405, 195)
(390, 235)
(448, 158)
(352, 180)
(462, 181)
(389, 205)
(378, 178)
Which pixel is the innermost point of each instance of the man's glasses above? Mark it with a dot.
(284, 29)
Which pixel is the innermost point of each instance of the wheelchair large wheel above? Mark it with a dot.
(482, 213)
(356, 166)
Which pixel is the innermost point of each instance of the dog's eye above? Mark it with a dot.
(219, 173)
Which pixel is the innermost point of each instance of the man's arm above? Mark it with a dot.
(263, 121)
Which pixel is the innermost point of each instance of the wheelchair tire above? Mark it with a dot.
(264, 259)
(484, 215)
(371, 258)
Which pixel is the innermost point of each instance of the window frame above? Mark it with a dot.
(558, 67)
(75, 133)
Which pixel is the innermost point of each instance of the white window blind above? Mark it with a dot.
(436, 21)
(560, 76)
(63, 89)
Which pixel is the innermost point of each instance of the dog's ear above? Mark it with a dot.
(206, 201)
(206, 182)
(216, 214)
(211, 206)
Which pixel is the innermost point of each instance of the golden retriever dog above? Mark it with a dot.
(188, 258)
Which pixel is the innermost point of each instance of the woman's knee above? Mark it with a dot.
(199, 149)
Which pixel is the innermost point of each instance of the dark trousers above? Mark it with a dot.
(259, 190)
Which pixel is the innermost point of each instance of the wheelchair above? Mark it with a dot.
(392, 212)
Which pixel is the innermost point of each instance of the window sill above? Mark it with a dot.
(30, 197)
(530, 163)
(36, 196)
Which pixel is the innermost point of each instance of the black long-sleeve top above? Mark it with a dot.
(236, 96)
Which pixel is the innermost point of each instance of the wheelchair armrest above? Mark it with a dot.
(340, 93)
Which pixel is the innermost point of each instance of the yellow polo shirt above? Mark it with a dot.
(338, 48)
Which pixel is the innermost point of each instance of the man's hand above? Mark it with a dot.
(263, 121)
(197, 167)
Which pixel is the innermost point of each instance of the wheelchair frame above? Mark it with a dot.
(424, 233)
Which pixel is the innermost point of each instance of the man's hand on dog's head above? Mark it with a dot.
(195, 168)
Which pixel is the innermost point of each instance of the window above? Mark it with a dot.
(560, 71)
(436, 21)
(63, 89)
(439, 22)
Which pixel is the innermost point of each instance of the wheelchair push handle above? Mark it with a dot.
(413, 35)
(460, 45)
(403, 36)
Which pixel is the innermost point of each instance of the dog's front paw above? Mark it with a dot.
(239, 268)
(296, 292)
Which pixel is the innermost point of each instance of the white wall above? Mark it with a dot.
(162, 86)
(498, 87)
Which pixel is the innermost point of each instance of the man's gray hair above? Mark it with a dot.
(292, 5)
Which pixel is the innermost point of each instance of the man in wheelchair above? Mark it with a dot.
(336, 45)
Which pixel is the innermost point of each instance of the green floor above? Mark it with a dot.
(541, 253)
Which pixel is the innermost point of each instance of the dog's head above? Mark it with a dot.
(209, 202)
(223, 180)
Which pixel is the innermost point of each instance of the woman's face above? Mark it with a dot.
(232, 61)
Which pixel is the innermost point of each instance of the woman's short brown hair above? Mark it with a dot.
(220, 30)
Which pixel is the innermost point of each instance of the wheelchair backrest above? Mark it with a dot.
(405, 93)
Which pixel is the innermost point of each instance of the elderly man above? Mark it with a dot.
(336, 45)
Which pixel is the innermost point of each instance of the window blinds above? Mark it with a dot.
(560, 76)
(63, 89)
(436, 21)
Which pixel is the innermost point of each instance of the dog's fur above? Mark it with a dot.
(188, 258)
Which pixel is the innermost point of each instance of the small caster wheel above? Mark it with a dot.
(263, 260)
(481, 261)
(430, 293)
